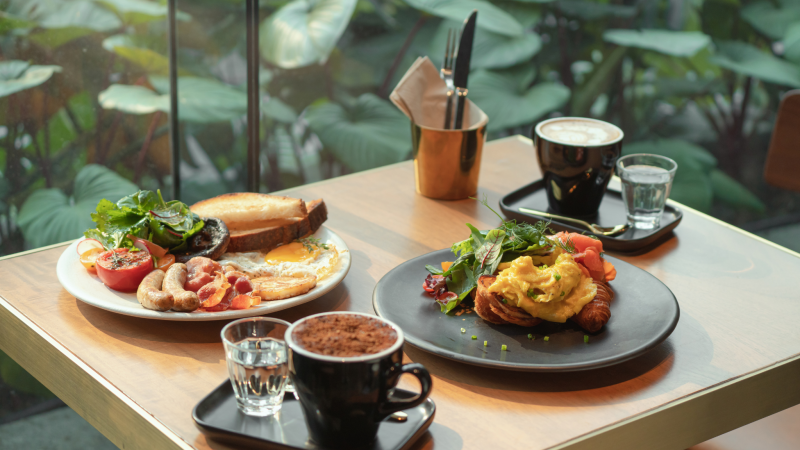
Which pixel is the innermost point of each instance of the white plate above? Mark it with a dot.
(88, 288)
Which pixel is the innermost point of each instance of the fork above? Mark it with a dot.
(446, 72)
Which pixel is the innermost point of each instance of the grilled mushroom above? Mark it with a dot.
(211, 241)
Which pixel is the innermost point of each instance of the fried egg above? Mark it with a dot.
(295, 259)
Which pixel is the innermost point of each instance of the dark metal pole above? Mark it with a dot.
(174, 130)
(253, 99)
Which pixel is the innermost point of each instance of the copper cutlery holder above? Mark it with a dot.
(447, 162)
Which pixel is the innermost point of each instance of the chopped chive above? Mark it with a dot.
(558, 276)
(585, 338)
(532, 293)
(505, 301)
(463, 330)
(546, 338)
(503, 347)
(530, 336)
(474, 337)
(544, 266)
(485, 343)
(562, 293)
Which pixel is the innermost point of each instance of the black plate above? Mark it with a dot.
(611, 213)
(217, 416)
(643, 313)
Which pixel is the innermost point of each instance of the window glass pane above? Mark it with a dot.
(84, 97)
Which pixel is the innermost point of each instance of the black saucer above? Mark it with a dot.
(611, 213)
(217, 416)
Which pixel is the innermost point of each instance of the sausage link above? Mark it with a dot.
(150, 294)
(597, 312)
(173, 284)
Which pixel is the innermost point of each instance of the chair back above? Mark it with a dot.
(782, 168)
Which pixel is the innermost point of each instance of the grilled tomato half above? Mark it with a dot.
(123, 270)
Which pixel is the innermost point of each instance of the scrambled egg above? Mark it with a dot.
(290, 260)
(554, 292)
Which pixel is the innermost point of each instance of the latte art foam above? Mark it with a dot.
(580, 132)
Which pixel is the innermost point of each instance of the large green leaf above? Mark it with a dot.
(199, 99)
(134, 12)
(748, 60)
(304, 32)
(592, 10)
(17, 76)
(674, 43)
(10, 22)
(598, 82)
(127, 47)
(61, 22)
(49, 216)
(508, 101)
(490, 17)
(791, 43)
(491, 50)
(693, 190)
(370, 133)
(773, 21)
(730, 191)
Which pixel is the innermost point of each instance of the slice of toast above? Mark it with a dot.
(265, 235)
(250, 210)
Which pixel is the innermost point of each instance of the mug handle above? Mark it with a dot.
(419, 371)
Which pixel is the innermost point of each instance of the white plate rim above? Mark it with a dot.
(89, 289)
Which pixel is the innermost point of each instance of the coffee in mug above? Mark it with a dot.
(577, 157)
(343, 366)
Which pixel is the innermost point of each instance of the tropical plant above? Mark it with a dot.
(84, 94)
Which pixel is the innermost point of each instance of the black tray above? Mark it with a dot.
(611, 212)
(217, 416)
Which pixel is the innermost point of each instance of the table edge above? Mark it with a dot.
(143, 430)
(687, 421)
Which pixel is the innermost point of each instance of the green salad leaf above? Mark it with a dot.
(483, 251)
(146, 215)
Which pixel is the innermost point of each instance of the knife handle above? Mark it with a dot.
(462, 98)
(448, 112)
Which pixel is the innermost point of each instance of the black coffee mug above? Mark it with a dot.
(577, 173)
(344, 399)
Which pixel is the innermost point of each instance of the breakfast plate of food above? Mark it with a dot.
(232, 256)
(521, 297)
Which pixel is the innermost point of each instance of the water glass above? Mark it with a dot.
(646, 182)
(257, 363)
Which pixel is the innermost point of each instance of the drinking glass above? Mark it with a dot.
(646, 182)
(257, 363)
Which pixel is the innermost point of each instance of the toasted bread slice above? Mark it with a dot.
(250, 210)
(317, 214)
(483, 301)
(277, 288)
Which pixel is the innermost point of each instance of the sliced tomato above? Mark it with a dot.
(165, 261)
(123, 270)
(89, 258)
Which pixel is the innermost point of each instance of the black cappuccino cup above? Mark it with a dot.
(344, 399)
(577, 158)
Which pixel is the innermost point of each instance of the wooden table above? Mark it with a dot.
(733, 358)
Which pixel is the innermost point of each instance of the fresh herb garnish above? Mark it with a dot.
(530, 336)
(532, 293)
(145, 215)
(503, 347)
(310, 242)
(558, 276)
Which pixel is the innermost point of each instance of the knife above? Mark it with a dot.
(461, 72)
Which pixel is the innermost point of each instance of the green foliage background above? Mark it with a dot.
(84, 98)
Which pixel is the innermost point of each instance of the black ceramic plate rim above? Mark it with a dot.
(655, 235)
(573, 367)
(214, 429)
